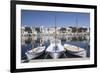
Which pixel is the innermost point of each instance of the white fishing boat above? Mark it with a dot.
(35, 52)
(75, 50)
(55, 49)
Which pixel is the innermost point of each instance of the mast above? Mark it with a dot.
(55, 29)
(55, 35)
(76, 26)
(77, 29)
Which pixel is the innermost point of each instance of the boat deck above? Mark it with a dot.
(59, 49)
(73, 48)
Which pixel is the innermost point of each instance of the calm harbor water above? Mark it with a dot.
(30, 42)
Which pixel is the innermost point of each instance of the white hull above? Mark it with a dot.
(55, 49)
(80, 53)
(55, 55)
(31, 54)
(74, 50)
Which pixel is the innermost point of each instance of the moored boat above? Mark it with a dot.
(75, 50)
(35, 52)
(55, 49)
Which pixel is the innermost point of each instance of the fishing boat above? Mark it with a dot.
(55, 49)
(35, 52)
(75, 50)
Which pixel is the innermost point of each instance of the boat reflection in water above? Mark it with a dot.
(46, 47)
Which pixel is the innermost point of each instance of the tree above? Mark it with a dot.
(28, 29)
(74, 29)
(63, 30)
(82, 29)
(37, 29)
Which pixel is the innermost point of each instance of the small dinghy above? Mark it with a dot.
(35, 52)
(75, 50)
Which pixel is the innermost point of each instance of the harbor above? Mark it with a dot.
(46, 53)
(55, 37)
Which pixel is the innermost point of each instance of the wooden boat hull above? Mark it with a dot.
(32, 54)
(80, 53)
(74, 50)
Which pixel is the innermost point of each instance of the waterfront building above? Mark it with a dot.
(34, 32)
(68, 30)
(22, 31)
(25, 32)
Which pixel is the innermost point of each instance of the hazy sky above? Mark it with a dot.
(47, 18)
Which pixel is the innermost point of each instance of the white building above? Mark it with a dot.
(68, 30)
(34, 32)
(23, 32)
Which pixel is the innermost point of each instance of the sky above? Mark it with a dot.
(47, 18)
